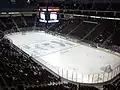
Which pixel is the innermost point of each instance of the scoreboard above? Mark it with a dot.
(48, 15)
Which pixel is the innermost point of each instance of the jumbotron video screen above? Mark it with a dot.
(48, 15)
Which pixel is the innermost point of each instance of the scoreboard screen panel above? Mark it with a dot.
(42, 15)
(53, 16)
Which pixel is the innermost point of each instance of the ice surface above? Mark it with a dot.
(71, 60)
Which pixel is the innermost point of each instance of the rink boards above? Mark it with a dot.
(73, 61)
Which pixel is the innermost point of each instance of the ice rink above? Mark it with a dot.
(70, 60)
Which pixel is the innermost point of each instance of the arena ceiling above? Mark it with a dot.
(83, 1)
(26, 4)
